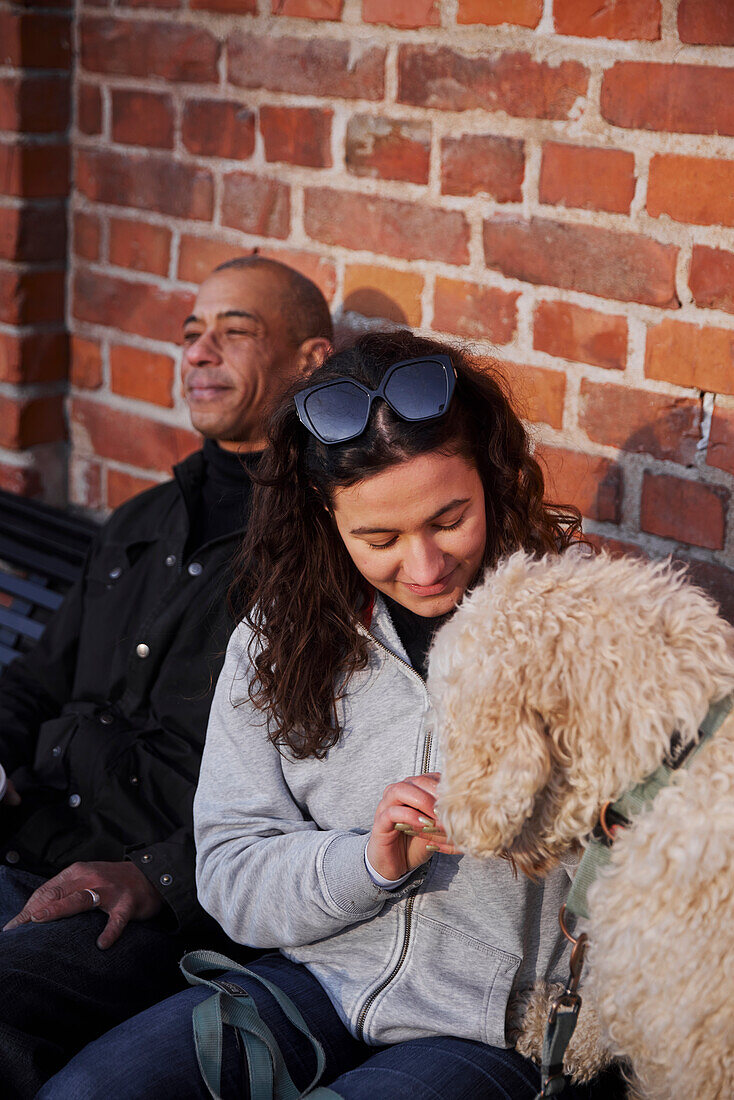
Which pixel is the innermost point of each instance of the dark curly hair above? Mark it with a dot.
(295, 583)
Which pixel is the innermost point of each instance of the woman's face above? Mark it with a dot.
(416, 531)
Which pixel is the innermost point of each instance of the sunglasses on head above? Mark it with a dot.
(415, 389)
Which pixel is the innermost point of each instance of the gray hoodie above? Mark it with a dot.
(280, 863)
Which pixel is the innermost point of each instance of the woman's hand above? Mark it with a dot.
(405, 832)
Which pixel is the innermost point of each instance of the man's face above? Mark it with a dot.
(237, 356)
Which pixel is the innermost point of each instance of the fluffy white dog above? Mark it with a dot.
(560, 684)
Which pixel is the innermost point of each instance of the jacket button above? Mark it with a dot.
(12, 857)
(106, 718)
(166, 880)
(147, 858)
(134, 780)
(142, 650)
(195, 569)
(171, 560)
(56, 750)
(75, 800)
(115, 573)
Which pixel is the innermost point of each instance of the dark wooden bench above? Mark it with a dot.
(42, 551)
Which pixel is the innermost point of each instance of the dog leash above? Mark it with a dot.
(564, 1010)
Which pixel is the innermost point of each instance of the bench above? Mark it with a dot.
(42, 552)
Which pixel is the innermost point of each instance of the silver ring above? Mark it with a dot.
(96, 899)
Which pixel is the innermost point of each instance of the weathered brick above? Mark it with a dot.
(33, 357)
(402, 13)
(32, 233)
(139, 245)
(639, 421)
(26, 423)
(85, 482)
(717, 580)
(687, 511)
(704, 23)
(121, 486)
(142, 374)
(594, 484)
(584, 335)
(256, 204)
(711, 278)
(146, 182)
(691, 189)
(689, 99)
(225, 7)
(142, 118)
(166, 5)
(630, 19)
(437, 76)
(141, 308)
(22, 481)
(198, 256)
(388, 226)
(473, 311)
(592, 179)
(521, 13)
(34, 171)
(388, 148)
(88, 108)
(383, 292)
(305, 65)
(720, 452)
(539, 394)
(308, 9)
(35, 40)
(106, 432)
(87, 235)
(175, 51)
(483, 163)
(634, 268)
(86, 364)
(34, 104)
(218, 128)
(297, 135)
(31, 297)
(688, 355)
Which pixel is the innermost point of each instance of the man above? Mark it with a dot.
(102, 725)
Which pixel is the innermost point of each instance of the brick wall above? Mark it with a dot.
(553, 179)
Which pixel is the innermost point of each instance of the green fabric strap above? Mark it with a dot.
(268, 1074)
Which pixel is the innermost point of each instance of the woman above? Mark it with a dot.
(391, 482)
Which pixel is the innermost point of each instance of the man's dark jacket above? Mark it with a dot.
(102, 725)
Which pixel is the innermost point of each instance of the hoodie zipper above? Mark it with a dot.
(427, 742)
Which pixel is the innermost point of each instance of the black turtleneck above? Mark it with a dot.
(415, 632)
(223, 505)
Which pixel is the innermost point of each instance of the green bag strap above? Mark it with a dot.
(230, 1004)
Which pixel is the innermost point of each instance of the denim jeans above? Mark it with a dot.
(152, 1056)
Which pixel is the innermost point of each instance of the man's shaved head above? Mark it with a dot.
(305, 311)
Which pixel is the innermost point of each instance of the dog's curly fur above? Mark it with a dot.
(559, 685)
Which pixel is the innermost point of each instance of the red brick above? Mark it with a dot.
(388, 226)
(198, 256)
(634, 268)
(592, 483)
(34, 171)
(147, 183)
(689, 99)
(139, 246)
(637, 19)
(711, 278)
(34, 104)
(31, 297)
(87, 235)
(305, 65)
(521, 13)
(639, 421)
(570, 332)
(86, 364)
(175, 51)
(687, 511)
(144, 309)
(142, 375)
(383, 292)
(22, 481)
(30, 422)
(218, 128)
(33, 233)
(35, 40)
(142, 118)
(297, 135)
(720, 451)
(121, 436)
(687, 355)
(308, 9)
(88, 108)
(537, 393)
(34, 357)
(256, 204)
(402, 13)
(166, 5)
(717, 580)
(388, 148)
(226, 7)
(692, 189)
(474, 312)
(704, 23)
(616, 546)
(592, 179)
(121, 486)
(483, 163)
(436, 76)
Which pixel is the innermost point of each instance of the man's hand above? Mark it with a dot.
(123, 889)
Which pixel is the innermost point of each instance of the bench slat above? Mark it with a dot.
(20, 623)
(29, 590)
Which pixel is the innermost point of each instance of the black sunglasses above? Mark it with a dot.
(415, 389)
